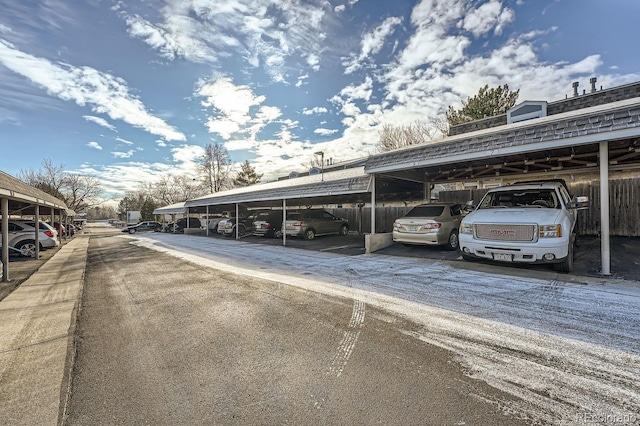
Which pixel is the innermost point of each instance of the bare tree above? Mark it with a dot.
(172, 189)
(419, 132)
(215, 168)
(79, 192)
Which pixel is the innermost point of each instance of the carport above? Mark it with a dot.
(592, 140)
(350, 185)
(18, 198)
(172, 209)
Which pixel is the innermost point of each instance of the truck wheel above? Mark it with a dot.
(566, 265)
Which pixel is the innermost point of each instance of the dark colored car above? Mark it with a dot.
(311, 222)
(180, 224)
(150, 226)
(268, 224)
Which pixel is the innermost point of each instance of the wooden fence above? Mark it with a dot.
(624, 209)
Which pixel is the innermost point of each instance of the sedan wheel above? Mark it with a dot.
(309, 234)
(453, 242)
(344, 230)
(27, 248)
(132, 231)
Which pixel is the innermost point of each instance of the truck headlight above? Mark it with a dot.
(550, 231)
(466, 228)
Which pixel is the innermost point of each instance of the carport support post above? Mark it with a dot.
(605, 245)
(284, 222)
(373, 204)
(426, 192)
(237, 222)
(5, 238)
(207, 220)
(37, 224)
(53, 222)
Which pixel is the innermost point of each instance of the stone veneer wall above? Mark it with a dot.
(573, 103)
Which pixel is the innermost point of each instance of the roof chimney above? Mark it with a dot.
(575, 88)
(593, 84)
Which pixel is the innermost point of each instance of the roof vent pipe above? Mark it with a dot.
(575, 88)
(593, 84)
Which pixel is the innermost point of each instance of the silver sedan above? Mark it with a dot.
(430, 224)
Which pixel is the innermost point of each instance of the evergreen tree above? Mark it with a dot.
(147, 208)
(487, 103)
(246, 175)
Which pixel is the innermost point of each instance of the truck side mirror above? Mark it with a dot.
(469, 206)
(579, 203)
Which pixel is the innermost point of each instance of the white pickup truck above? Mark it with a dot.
(529, 222)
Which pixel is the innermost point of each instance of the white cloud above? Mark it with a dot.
(236, 108)
(315, 110)
(187, 154)
(105, 93)
(371, 44)
(325, 132)
(241, 145)
(121, 154)
(362, 91)
(489, 15)
(94, 145)
(340, 8)
(264, 32)
(99, 121)
(161, 143)
(124, 141)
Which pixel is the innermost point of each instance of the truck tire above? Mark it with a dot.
(566, 265)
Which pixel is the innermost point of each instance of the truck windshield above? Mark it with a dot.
(533, 198)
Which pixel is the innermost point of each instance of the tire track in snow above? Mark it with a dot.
(348, 343)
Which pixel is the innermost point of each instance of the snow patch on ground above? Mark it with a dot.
(570, 351)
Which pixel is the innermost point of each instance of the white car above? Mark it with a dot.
(22, 236)
(527, 222)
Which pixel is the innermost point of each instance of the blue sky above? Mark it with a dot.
(129, 91)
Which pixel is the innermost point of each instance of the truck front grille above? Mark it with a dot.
(505, 232)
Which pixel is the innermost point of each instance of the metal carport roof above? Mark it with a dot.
(177, 208)
(342, 186)
(559, 143)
